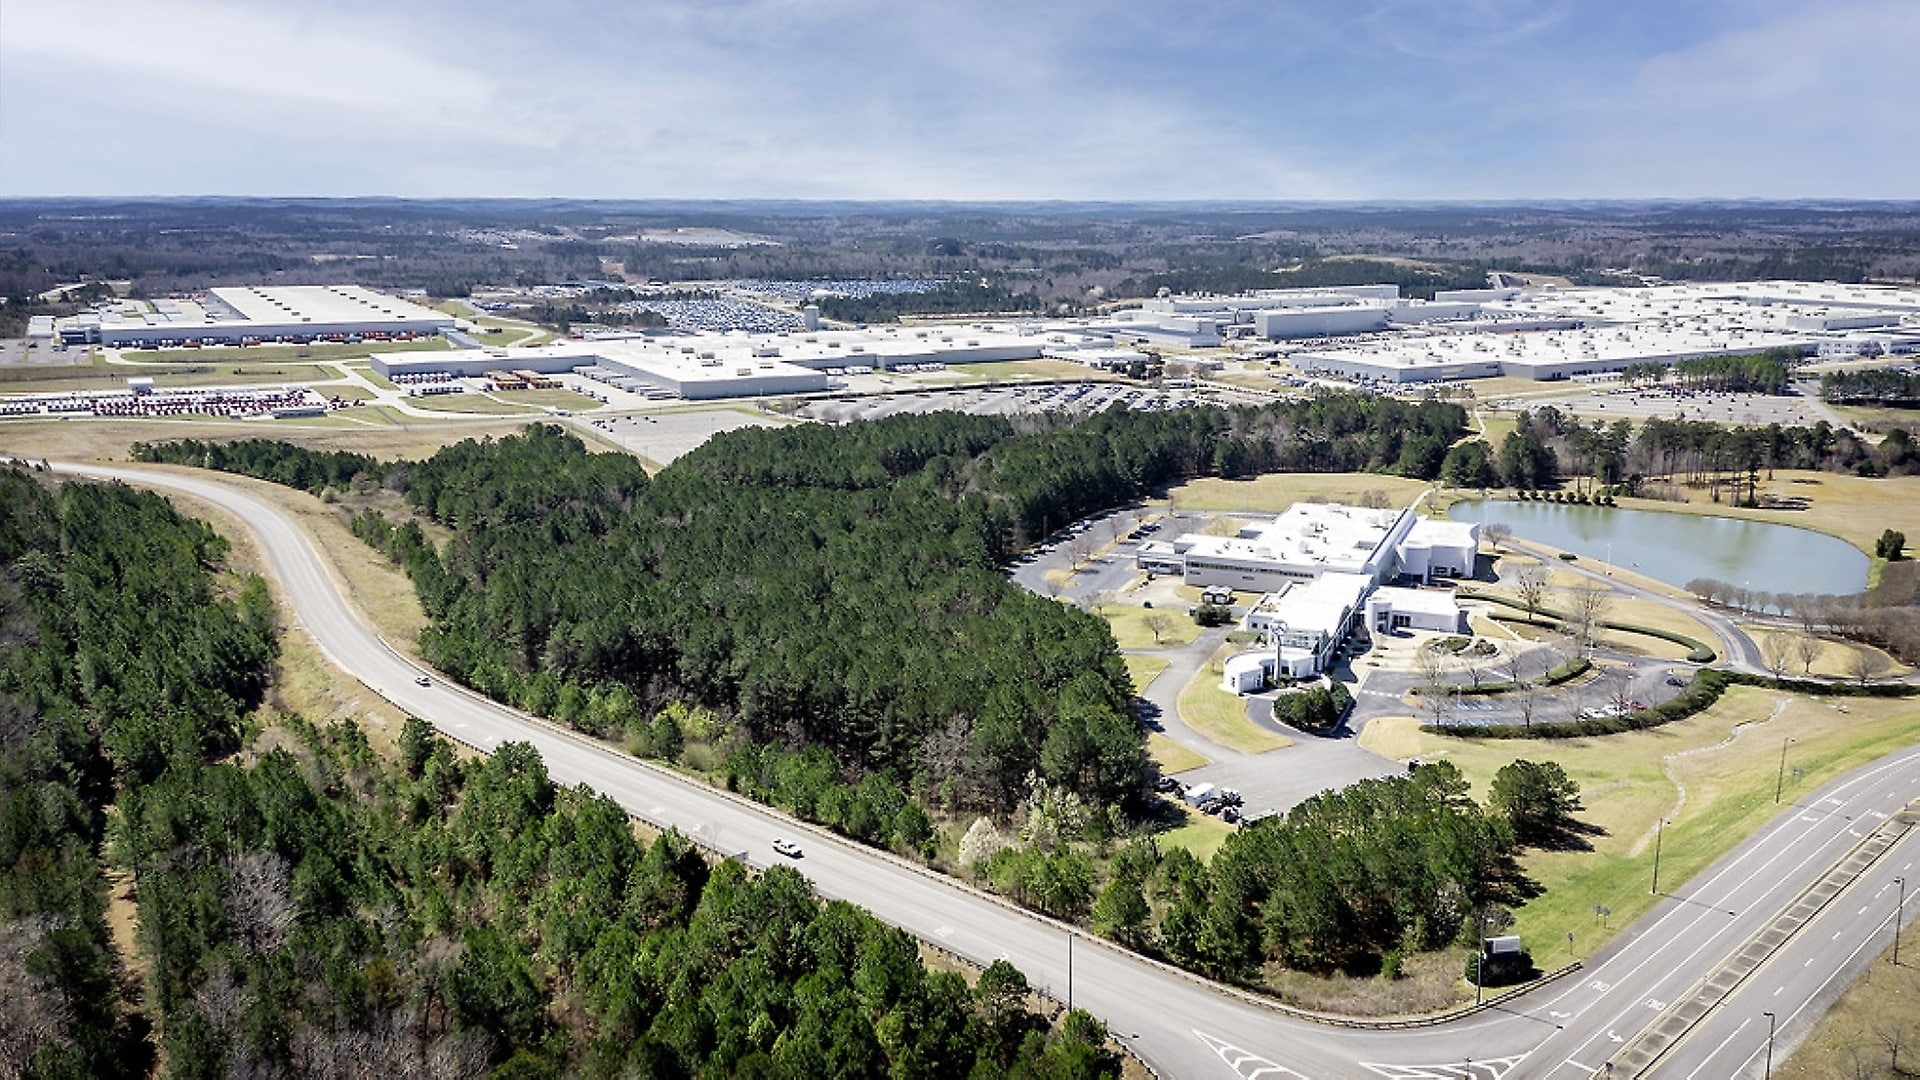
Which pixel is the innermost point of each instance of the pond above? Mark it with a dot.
(1678, 548)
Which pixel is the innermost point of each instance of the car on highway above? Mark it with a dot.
(422, 680)
(786, 847)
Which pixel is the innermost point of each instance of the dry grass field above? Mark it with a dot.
(1855, 509)
(1835, 660)
(1277, 492)
(85, 440)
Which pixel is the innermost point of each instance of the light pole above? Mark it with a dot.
(1771, 1020)
(1658, 833)
(1480, 960)
(1897, 909)
(1780, 779)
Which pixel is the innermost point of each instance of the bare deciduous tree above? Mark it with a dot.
(1807, 646)
(1865, 664)
(1158, 623)
(32, 1013)
(1589, 611)
(1497, 533)
(1431, 665)
(1776, 652)
(1531, 584)
(259, 899)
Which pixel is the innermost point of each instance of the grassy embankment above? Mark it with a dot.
(1711, 777)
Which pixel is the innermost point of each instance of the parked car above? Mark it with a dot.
(786, 847)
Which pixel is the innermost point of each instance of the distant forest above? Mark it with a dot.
(1061, 254)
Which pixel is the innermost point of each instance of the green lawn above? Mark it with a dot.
(1222, 717)
(1202, 834)
(1144, 669)
(1628, 784)
(1130, 629)
(267, 354)
(1171, 756)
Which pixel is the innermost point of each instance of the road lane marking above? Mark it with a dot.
(1722, 1046)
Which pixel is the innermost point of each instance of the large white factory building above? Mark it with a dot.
(250, 315)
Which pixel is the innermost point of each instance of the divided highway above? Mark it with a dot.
(1183, 1027)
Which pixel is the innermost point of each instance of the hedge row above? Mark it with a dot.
(1700, 694)
(1566, 672)
(1698, 652)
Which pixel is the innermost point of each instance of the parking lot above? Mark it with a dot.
(662, 437)
(1066, 399)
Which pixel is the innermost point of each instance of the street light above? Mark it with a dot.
(1898, 908)
(1770, 1025)
(1658, 833)
(1780, 779)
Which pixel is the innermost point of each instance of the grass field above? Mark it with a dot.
(1857, 1036)
(1143, 670)
(1711, 776)
(1835, 659)
(1201, 834)
(1222, 717)
(58, 380)
(506, 402)
(1855, 509)
(75, 440)
(1277, 492)
(1130, 630)
(1171, 756)
(1013, 371)
(1866, 418)
(269, 354)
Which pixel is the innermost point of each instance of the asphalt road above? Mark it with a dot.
(1181, 1026)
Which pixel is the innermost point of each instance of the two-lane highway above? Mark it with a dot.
(1181, 1026)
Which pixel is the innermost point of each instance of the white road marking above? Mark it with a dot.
(1243, 1062)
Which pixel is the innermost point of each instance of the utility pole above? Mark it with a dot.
(1771, 1021)
(1780, 778)
(1658, 833)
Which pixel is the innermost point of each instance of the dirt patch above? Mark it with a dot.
(1428, 983)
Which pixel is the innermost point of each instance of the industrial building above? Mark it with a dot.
(1550, 334)
(1323, 570)
(252, 315)
(735, 364)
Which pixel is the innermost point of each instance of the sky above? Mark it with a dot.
(964, 100)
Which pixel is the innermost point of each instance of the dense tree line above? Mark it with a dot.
(1549, 446)
(1227, 276)
(307, 906)
(970, 297)
(1346, 881)
(1754, 373)
(120, 654)
(267, 459)
(1889, 387)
